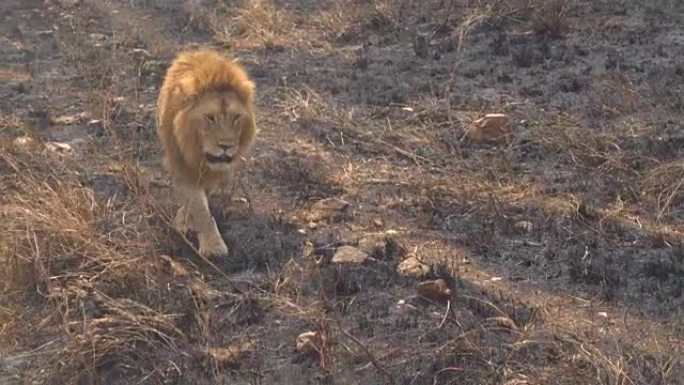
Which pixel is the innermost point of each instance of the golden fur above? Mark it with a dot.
(194, 81)
(206, 123)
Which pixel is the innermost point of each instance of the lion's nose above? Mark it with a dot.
(224, 147)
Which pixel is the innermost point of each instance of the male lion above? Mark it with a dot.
(206, 123)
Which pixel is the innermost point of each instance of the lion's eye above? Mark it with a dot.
(236, 120)
(210, 118)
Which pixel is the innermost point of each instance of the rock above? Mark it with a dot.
(435, 290)
(231, 356)
(309, 342)
(328, 208)
(23, 142)
(65, 120)
(403, 307)
(68, 120)
(58, 147)
(490, 128)
(524, 227)
(349, 254)
(98, 36)
(413, 268)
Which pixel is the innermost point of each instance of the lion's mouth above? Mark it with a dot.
(214, 159)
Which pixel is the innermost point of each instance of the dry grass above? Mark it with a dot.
(580, 146)
(70, 254)
(663, 186)
(549, 18)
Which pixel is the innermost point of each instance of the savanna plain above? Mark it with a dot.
(378, 233)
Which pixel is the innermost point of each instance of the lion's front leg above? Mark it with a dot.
(195, 211)
(183, 222)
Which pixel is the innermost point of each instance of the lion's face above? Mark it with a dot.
(219, 119)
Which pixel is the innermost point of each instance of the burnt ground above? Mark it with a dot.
(562, 246)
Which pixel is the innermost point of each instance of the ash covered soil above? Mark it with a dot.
(374, 239)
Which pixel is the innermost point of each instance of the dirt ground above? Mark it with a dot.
(561, 246)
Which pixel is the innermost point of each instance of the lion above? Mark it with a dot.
(206, 125)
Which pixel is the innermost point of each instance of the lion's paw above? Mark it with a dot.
(212, 246)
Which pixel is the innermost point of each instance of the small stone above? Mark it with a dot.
(23, 141)
(68, 120)
(98, 36)
(435, 315)
(377, 222)
(349, 254)
(58, 147)
(309, 342)
(328, 208)
(490, 128)
(524, 227)
(403, 307)
(413, 268)
(435, 289)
